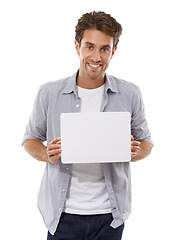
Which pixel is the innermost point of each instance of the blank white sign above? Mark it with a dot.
(95, 137)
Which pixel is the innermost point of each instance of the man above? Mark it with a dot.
(86, 201)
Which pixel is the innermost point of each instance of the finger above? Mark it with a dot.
(51, 153)
(135, 148)
(54, 146)
(133, 154)
(56, 140)
(54, 159)
(135, 143)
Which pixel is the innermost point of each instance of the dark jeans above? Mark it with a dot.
(86, 227)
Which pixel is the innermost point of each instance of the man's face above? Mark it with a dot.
(95, 52)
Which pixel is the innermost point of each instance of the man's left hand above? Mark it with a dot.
(135, 147)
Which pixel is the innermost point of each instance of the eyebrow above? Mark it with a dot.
(92, 44)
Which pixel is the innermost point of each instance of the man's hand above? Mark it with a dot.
(39, 151)
(54, 150)
(139, 150)
(135, 147)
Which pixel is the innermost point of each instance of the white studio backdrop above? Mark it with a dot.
(37, 46)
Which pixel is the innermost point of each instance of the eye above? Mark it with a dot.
(89, 47)
(106, 50)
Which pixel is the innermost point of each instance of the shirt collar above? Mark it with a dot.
(71, 85)
(111, 84)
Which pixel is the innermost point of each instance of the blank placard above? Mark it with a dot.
(95, 137)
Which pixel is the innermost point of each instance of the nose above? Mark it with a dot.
(96, 57)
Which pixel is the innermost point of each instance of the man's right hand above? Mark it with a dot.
(54, 150)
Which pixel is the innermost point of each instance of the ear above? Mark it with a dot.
(113, 52)
(77, 47)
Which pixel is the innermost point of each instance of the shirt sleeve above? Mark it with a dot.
(37, 125)
(139, 126)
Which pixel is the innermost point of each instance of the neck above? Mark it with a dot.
(88, 82)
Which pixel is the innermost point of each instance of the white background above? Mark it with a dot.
(37, 46)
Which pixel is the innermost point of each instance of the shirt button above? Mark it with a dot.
(67, 168)
(77, 105)
(63, 190)
(59, 209)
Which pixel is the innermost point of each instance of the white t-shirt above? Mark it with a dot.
(87, 192)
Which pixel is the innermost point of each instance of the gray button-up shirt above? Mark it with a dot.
(61, 96)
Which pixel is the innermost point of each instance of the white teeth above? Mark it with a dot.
(95, 66)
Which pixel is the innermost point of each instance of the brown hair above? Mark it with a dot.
(100, 21)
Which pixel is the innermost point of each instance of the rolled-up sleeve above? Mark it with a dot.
(139, 126)
(37, 125)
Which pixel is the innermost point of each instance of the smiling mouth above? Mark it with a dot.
(94, 66)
